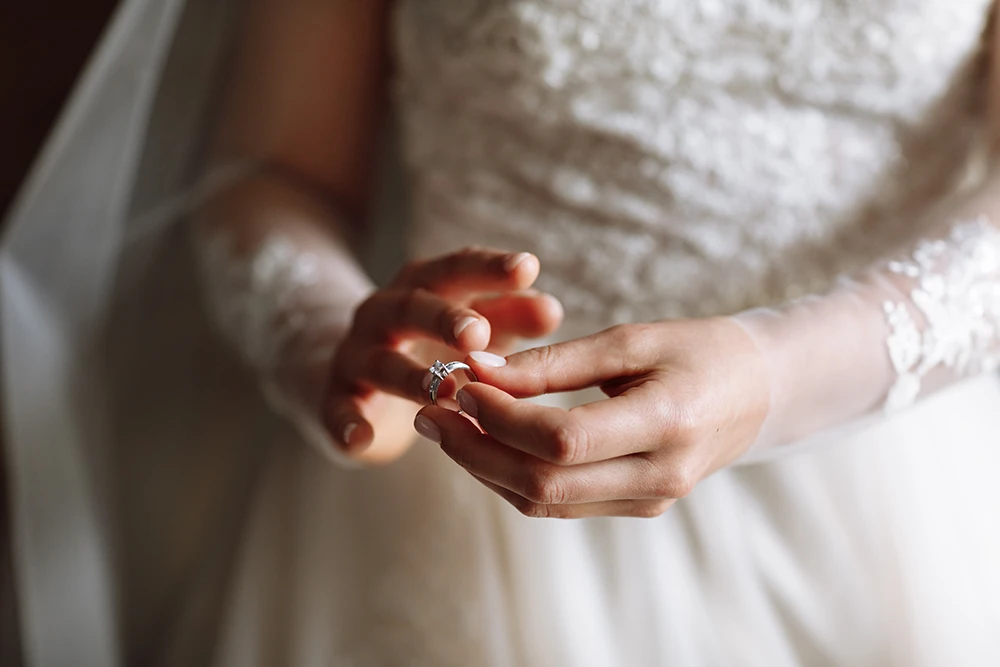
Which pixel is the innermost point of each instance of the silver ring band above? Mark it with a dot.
(440, 371)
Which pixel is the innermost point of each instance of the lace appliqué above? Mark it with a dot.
(285, 309)
(671, 159)
(255, 299)
(956, 294)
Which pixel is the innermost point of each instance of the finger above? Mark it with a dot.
(633, 422)
(365, 445)
(390, 315)
(520, 314)
(618, 352)
(343, 419)
(385, 369)
(624, 478)
(471, 271)
(644, 509)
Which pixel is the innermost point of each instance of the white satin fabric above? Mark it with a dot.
(163, 516)
(880, 550)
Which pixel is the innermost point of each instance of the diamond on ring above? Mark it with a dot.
(440, 371)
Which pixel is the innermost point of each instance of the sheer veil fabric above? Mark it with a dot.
(117, 495)
(131, 470)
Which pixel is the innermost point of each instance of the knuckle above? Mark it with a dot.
(618, 334)
(343, 366)
(638, 339)
(530, 509)
(544, 487)
(407, 275)
(683, 425)
(453, 266)
(624, 336)
(410, 303)
(540, 357)
(630, 343)
(561, 512)
(676, 481)
(367, 308)
(375, 364)
(537, 362)
(568, 443)
(651, 510)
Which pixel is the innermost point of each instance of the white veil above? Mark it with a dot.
(119, 483)
(134, 440)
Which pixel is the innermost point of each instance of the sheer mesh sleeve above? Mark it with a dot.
(882, 340)
(281, 286)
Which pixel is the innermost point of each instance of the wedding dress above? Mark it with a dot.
(663, 159)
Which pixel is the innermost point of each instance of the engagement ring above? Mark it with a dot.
(440, 371)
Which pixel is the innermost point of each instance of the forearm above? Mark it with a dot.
(281, 282)
(304, 101)
(913, 323)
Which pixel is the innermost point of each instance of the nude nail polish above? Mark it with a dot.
(464, 324)
(488, 359)
(514, 261)
(427, 428)
(467, 403)
(346, 436)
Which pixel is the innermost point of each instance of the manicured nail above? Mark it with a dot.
(488, 359)
(467, 403)
(427, 428)
(463, 324)
(556, 304)
(513, 261)
(348, 430)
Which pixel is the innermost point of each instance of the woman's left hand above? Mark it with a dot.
(685, 399)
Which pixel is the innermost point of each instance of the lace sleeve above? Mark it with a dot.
(880, 341)
(946, 322)
(281, 285)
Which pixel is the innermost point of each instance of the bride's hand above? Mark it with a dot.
(686, 398)
(447, 307)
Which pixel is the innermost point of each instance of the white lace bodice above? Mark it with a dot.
(669, 158)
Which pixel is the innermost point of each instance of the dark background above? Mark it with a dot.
(44, 44)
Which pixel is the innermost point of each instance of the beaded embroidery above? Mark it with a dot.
(956, 296)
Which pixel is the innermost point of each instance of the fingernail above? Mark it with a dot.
(488, 359)
(427, 428)
(513, 261)
(556, 304)
(467, 403)
(348, 430)
(463, 324)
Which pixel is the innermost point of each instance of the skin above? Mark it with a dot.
(307, 99)
(685, 398)
(441, 308)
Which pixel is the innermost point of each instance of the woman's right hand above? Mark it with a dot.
(474, 299)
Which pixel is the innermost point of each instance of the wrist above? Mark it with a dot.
(825, 360)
